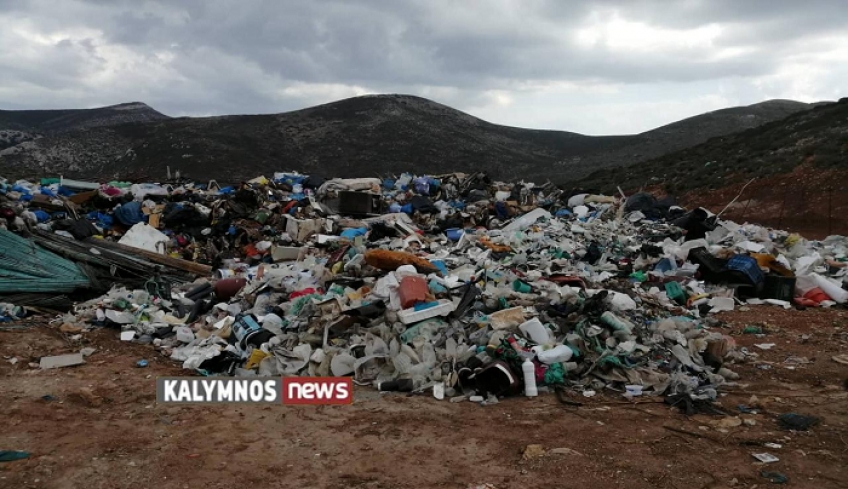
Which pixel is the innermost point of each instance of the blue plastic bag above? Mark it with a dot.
(353, 232)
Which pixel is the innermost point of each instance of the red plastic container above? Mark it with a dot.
(412, 290)
(228, 287)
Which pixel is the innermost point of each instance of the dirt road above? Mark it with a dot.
(98, 426)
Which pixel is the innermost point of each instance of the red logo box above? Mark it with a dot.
(317, 390)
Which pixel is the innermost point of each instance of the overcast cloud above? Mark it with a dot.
(599, 67)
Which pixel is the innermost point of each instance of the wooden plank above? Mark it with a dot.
(184, 265)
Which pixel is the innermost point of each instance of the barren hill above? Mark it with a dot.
(366, 135)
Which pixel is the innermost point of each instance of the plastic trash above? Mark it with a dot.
(529, 370)
(622, 302)
(412, 290)
(719, 304)
(441, 308)
(184, 334)
(617, 323)
(536, 331)
(506, 319)
(12, 455)
(833, 290)
(774, 477)
(526, 220)
(557, 354)
(145, 237)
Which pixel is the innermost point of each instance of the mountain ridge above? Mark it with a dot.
(817, 138)
(373, 134)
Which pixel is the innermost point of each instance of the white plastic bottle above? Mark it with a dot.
(529, 370)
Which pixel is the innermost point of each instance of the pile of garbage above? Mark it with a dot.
(11, 312)
(458, 285)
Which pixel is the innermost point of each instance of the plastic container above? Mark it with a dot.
(780, 288)
(412, 290)
(454, 234)
(748, 266)
(536, 332)
(522, 287)
(675, 292)
(409, 316)
(709, 265)
(225, 289)
(356, 203)
(529, 370)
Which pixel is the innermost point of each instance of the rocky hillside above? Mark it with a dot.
(22, 126)
(817, 138)
(59, 121)
(359, 136)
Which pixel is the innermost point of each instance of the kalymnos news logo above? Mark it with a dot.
(285, 390)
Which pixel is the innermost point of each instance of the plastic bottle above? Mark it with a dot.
(529, 370)
(617, 323)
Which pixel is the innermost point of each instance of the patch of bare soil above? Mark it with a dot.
(102, 428)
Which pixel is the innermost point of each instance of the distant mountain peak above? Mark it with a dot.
(131, 106)
(66, 120)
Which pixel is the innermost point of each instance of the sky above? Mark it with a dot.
(594, 67)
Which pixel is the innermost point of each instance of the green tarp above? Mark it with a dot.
(26, 267)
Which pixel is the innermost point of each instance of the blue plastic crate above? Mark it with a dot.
(748, 266)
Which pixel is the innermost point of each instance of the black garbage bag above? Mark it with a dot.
(470, 293)
(451, 222)
(184, 217)
(643, 202)
(246, 196)
(423, 205)
(227, 361)
(313, 182)
(596, 305)
(593, 254)
(80, 229)
(381, 230)
(697, 224)
(649, 205)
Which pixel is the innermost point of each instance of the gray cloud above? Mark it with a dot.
(512, 61)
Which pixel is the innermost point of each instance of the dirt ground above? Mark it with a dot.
(809, 200)
(101, 427)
